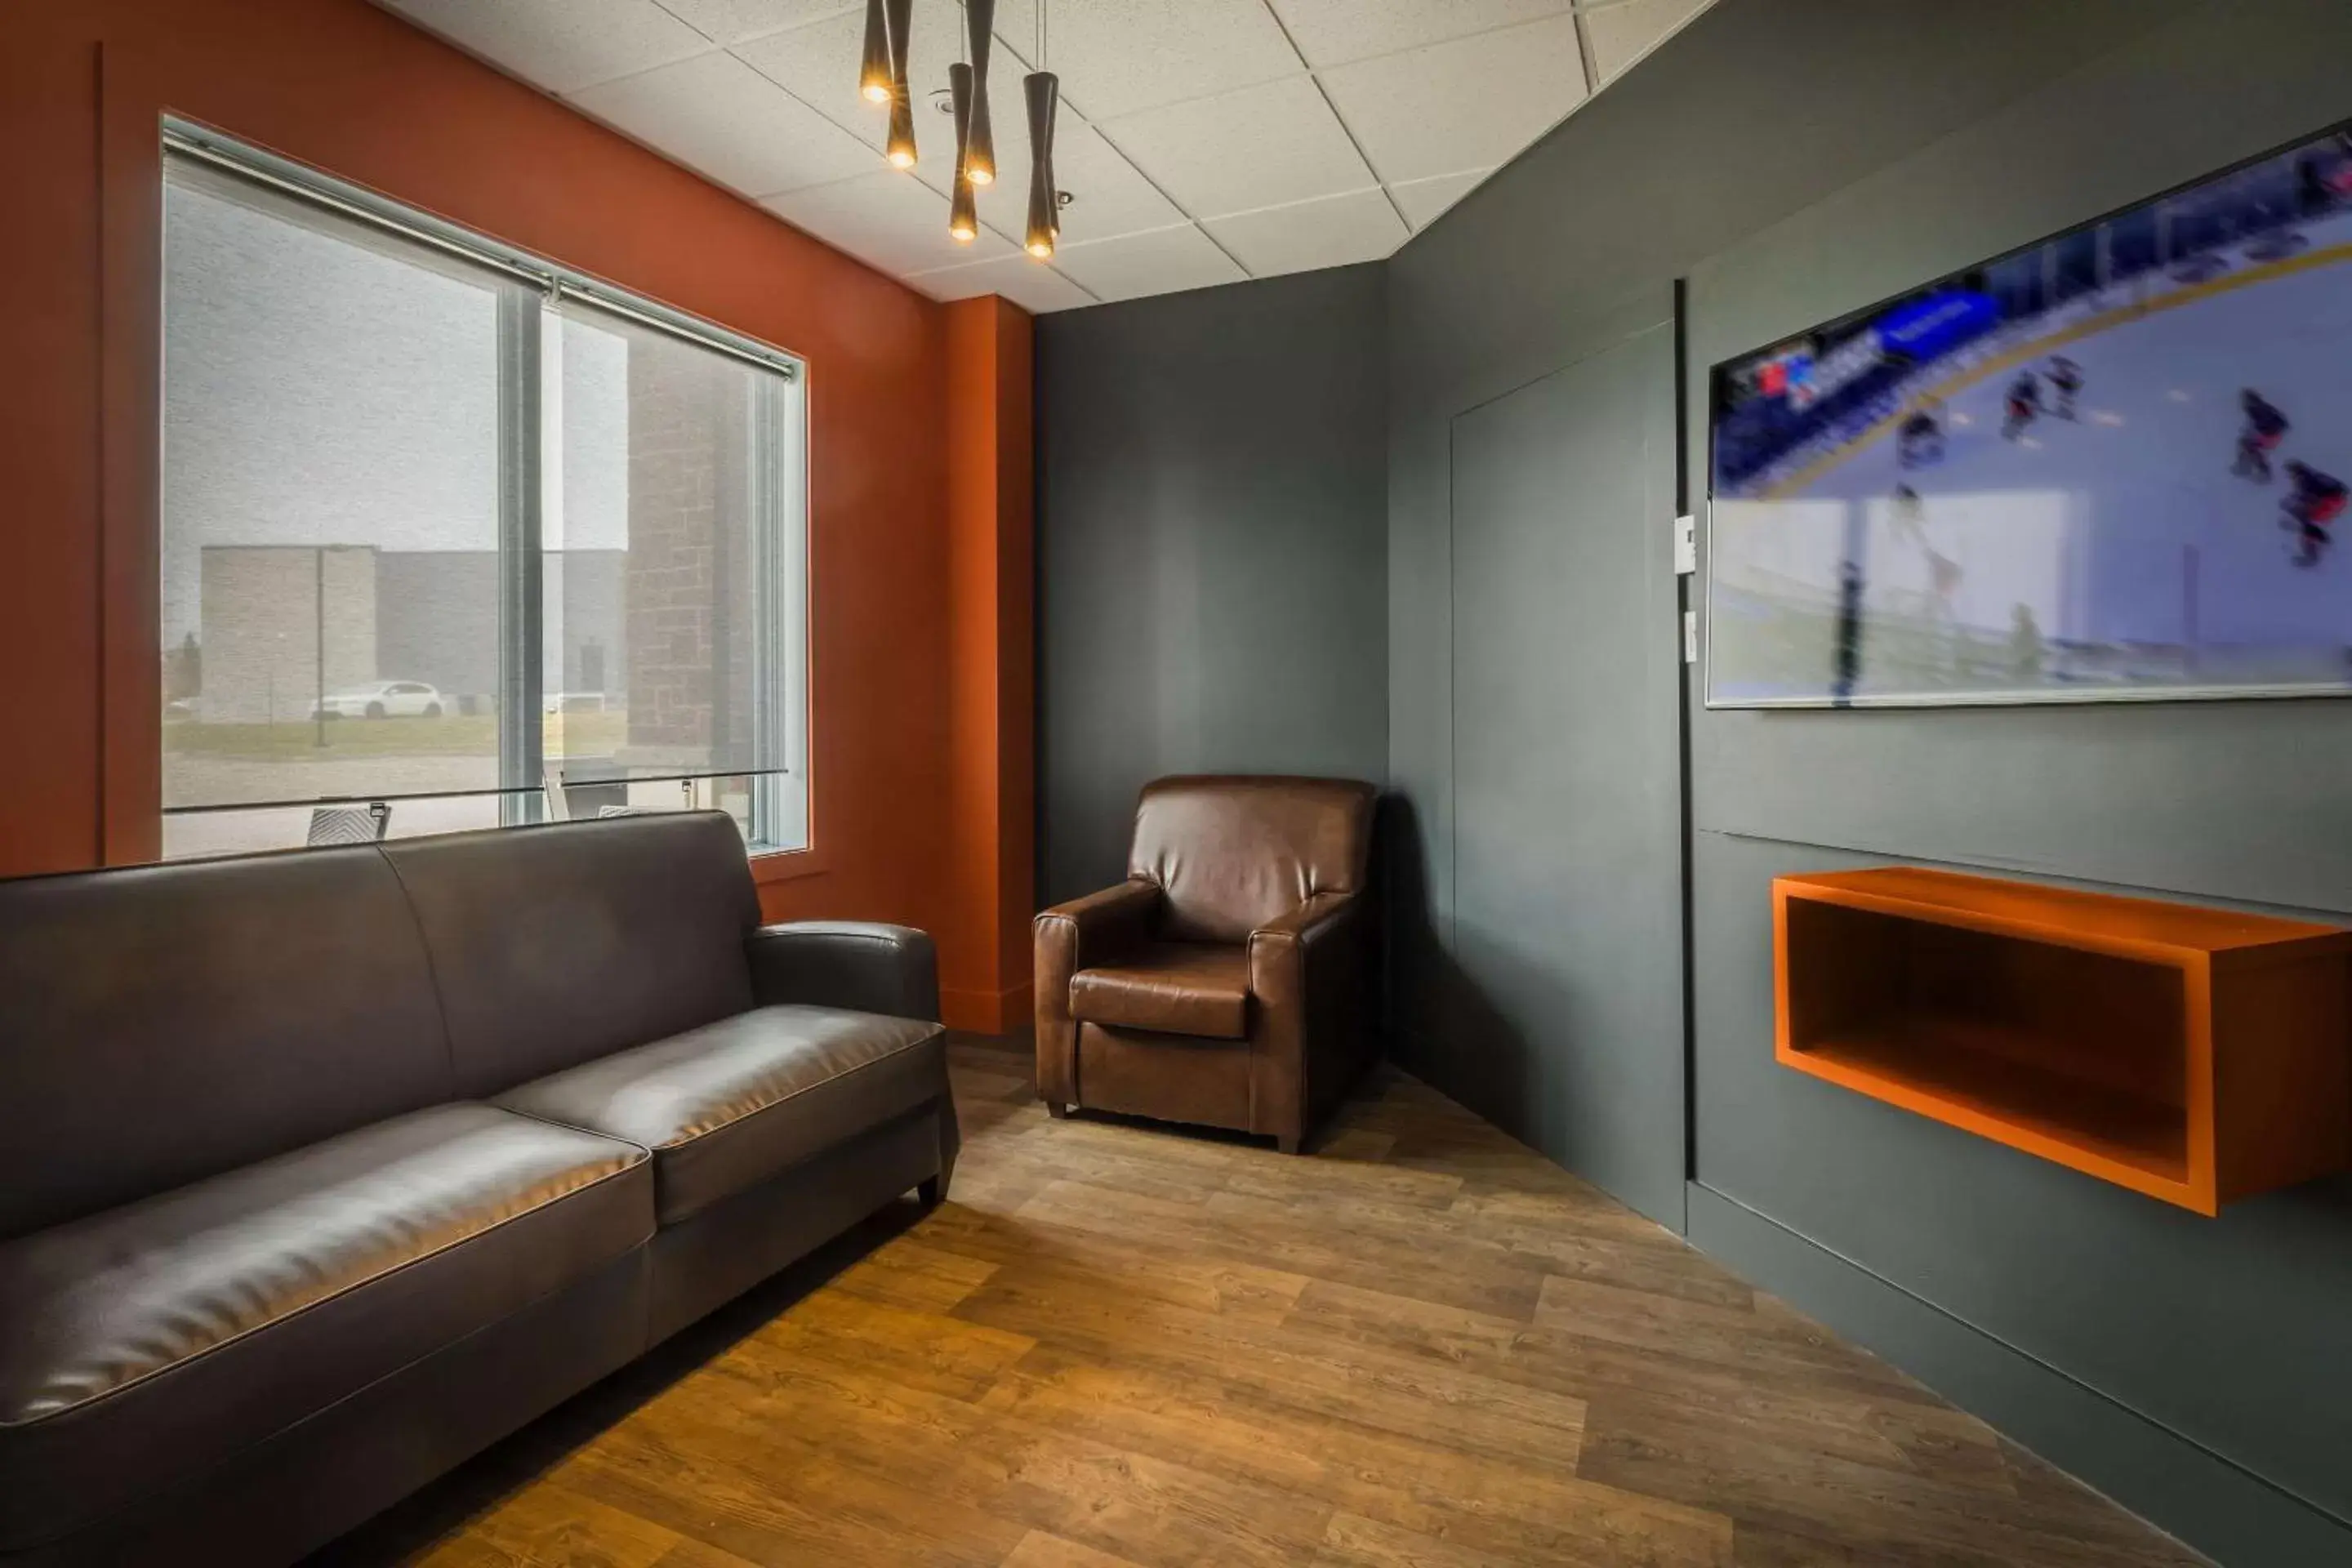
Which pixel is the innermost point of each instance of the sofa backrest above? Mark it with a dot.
(162, 1024)
(556, 944)
(1230, 853)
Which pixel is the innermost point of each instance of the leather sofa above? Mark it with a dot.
(1229, 980)
(323, 1171)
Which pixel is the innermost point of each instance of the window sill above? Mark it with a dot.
(789, 865)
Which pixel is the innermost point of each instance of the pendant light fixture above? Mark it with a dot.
(874, 73)
(1043, 92)
(978, 142)
(963, 215)
(900, 147)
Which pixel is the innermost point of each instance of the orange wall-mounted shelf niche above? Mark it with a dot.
(2197, 1055)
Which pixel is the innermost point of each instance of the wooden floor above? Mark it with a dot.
(1123, 1344)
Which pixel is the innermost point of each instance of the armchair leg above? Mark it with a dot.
(930, 1190)
(1287, 1142)
(1058, 1110)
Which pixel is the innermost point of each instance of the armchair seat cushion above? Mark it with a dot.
(1169, 987)
(144, 1343)
(726, 1106)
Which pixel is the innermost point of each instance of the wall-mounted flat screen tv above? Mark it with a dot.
(2109, 466)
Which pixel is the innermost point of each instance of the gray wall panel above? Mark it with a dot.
(1795, 160)
(1565, 678)
(1758, 111)
(2215, 1329)
(2238, 800)
(1212, 559)
(2234, 1515)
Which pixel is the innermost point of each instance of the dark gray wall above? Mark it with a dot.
(1794, 160)
(1564, 944)
(1212, 550)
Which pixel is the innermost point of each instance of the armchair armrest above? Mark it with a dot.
(1311, 921)
(859, 964)
(1282, 950)
(1093, 930)
(1307, 974)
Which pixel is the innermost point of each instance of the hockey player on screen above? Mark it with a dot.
(2019, 404)
(2314, 502)
(1919, 440)
(1910, 512)
(2067, 377)
(2265, 426)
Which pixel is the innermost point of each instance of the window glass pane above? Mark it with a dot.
(331, 504)
(188, 835)
(672, 569)
(432, 540)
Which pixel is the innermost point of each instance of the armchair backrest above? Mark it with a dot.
(1230, 854)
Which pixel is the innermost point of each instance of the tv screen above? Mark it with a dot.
(2111, 465)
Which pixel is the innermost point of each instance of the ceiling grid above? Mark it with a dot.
(1203, 140)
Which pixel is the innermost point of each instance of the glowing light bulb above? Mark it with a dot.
(875, 73)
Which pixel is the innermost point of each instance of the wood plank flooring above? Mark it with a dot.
(1120, 1346)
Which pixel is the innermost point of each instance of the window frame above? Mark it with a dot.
(781, 815)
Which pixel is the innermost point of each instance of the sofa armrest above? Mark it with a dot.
(859, 964)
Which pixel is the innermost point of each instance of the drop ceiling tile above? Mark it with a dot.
(1330, 231)
(1425, 200)
(1623, 33)
(1116, 57)
(818, 65)
(1262, 146)
(733, 21)
(716, 115)
(1333, 32)
(1159, 262)
(560, 44)
(1111, 198)
(1029, 283)
(1008, 115)
(1108, 197)
(1467, 104)
(888, 218)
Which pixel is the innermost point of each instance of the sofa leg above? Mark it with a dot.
(931, 1190)
(1058, 1110)
(1287, 1142)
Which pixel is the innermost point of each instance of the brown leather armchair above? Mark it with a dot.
(1228, 980)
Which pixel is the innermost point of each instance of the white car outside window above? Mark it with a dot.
(384, 699)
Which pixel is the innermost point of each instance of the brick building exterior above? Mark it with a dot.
(686, 589)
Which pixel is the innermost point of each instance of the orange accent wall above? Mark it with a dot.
(355, 90)
(992, 648)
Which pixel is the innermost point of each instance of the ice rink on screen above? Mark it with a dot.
(2114, 550)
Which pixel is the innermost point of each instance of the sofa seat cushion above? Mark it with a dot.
(139, 1345)
(1169, 987)
(726, 1106)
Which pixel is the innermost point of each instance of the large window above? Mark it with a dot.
(454, 530)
